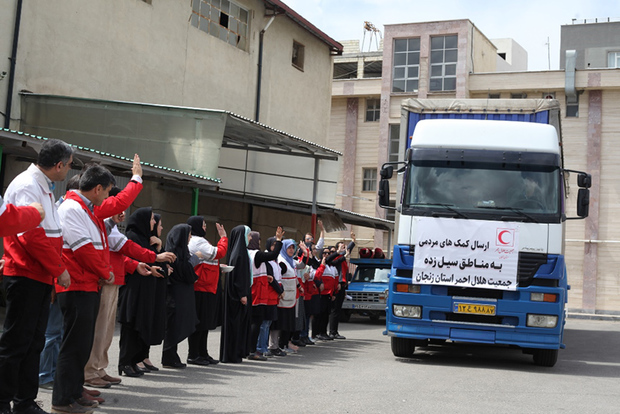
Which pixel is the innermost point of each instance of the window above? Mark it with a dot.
(222, 19)
(521, 95)
(373, 110)
(298, 55)
(406, 71)
(444, 51)
(373, 69)
(494, 96)
(393, 142)
(613, 60)
(369, 181)
(345, 70)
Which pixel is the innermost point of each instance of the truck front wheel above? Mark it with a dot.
(545, 357)
(402, 347)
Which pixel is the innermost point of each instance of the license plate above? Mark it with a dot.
(361, 306)
(474, 308)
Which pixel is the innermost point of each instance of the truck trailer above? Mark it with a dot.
(479, 256)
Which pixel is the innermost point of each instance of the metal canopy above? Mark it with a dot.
(27, 146)
(246, 134)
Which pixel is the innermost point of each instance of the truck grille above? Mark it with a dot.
(364, 297)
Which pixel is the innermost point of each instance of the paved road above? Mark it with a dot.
(360, 375)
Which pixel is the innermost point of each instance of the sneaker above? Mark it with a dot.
(73, 408)
(336, 336)
(290, 350)
(257, 357)
(268, 354)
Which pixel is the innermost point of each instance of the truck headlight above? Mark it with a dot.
(541, 321)
(406, 311)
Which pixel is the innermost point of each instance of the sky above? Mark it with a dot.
(529, 22)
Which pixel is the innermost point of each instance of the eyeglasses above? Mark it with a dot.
(325, 252)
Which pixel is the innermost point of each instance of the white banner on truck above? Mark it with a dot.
(466, 253)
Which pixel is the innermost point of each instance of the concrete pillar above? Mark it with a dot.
(593, 158)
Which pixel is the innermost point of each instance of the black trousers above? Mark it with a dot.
(335, 310)
(198, 344)
(27, 310)
(79, 312)
(132, 348)
(319, 324)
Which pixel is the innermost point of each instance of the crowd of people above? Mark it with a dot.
(70, 275)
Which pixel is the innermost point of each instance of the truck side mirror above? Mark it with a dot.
(384, 192)
(583, 202)
(584, 180)
(387, 172)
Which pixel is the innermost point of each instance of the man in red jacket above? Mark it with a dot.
(32, 262)
(87, 256)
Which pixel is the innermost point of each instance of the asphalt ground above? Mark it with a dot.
(360, 375)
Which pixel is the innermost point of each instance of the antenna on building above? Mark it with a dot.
(374, 32)
(548, 52)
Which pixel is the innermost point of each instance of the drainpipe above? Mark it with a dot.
(13, 59)
(260, 67)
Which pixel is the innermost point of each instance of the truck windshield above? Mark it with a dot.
(372, 275)
(489, 191)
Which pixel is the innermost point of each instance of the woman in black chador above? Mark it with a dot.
(234, 344)
(141, 303)
(180, 302)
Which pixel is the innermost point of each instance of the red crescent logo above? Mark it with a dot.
(501, 235)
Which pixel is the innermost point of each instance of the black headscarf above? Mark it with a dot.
(241, 276)
(254, 243)
(176, 242)
(270, 242)
(139, 226)
(195, 223)
(157, 218)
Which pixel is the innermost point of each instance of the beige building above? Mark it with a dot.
(454, 60)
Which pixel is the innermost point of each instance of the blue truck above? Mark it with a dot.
(481, 221)
(367, 292)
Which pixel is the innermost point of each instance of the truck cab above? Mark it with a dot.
(368, 288)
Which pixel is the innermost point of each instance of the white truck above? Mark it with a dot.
(481, 223)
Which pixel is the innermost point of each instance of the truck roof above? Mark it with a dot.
(485, 134)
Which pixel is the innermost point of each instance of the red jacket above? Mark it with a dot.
(14, 220)
(209, 273)
(329, 280)
(123, 261)
(90, 261)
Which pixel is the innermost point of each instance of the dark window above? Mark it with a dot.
(298, 55)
